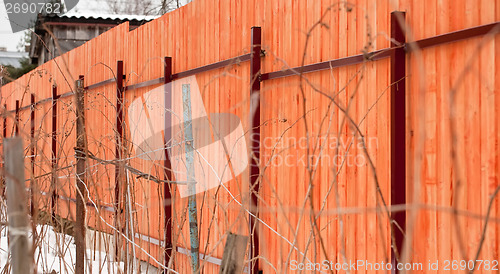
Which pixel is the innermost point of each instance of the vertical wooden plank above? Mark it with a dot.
(457, 63)
(372, 131)
(489, 126)
(315, 100)
(496, 113)
(267, 40)
(341, 97)
(428, 174)
(276, 23)
(333, 76)
(207, 38)
(444, 187)
(361, 108)
(472, 134)
(293, 109)
(350, 99)
(225, 35)
(279, 106)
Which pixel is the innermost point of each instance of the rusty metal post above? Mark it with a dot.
(32, 123)
(119, 169)
(54, 196)
(119, 123)
(33, 209)
(255, 73)
(5, 122)
(16, 121)
(81, 195)
(32, 159)
(398, 131)
(2, 185)
(167, 193)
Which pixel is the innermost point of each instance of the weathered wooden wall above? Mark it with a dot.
(207, 31)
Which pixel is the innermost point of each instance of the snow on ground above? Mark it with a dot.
(56, 254)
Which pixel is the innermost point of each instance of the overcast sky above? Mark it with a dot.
(7, 39)
(11, 40)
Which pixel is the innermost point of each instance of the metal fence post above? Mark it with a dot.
(2, 186)
(54, 196)
(119, 169)
(16, 121)
(167, 193)
(398, 131)
(33, 209)
(255, 72)
(5, 122)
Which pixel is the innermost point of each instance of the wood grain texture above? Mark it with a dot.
(208, 31)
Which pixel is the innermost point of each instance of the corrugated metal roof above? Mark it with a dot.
(124, 17)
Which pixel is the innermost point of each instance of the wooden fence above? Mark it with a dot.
(367, 130)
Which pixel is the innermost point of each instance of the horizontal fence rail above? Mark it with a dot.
(451, 37)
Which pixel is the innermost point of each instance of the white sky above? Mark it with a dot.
(11, 40)
(7, 38)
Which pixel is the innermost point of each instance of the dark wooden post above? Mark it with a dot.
(254, 144)
(398, 131)
(167, 193)
(81, 195)
(54, 196)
